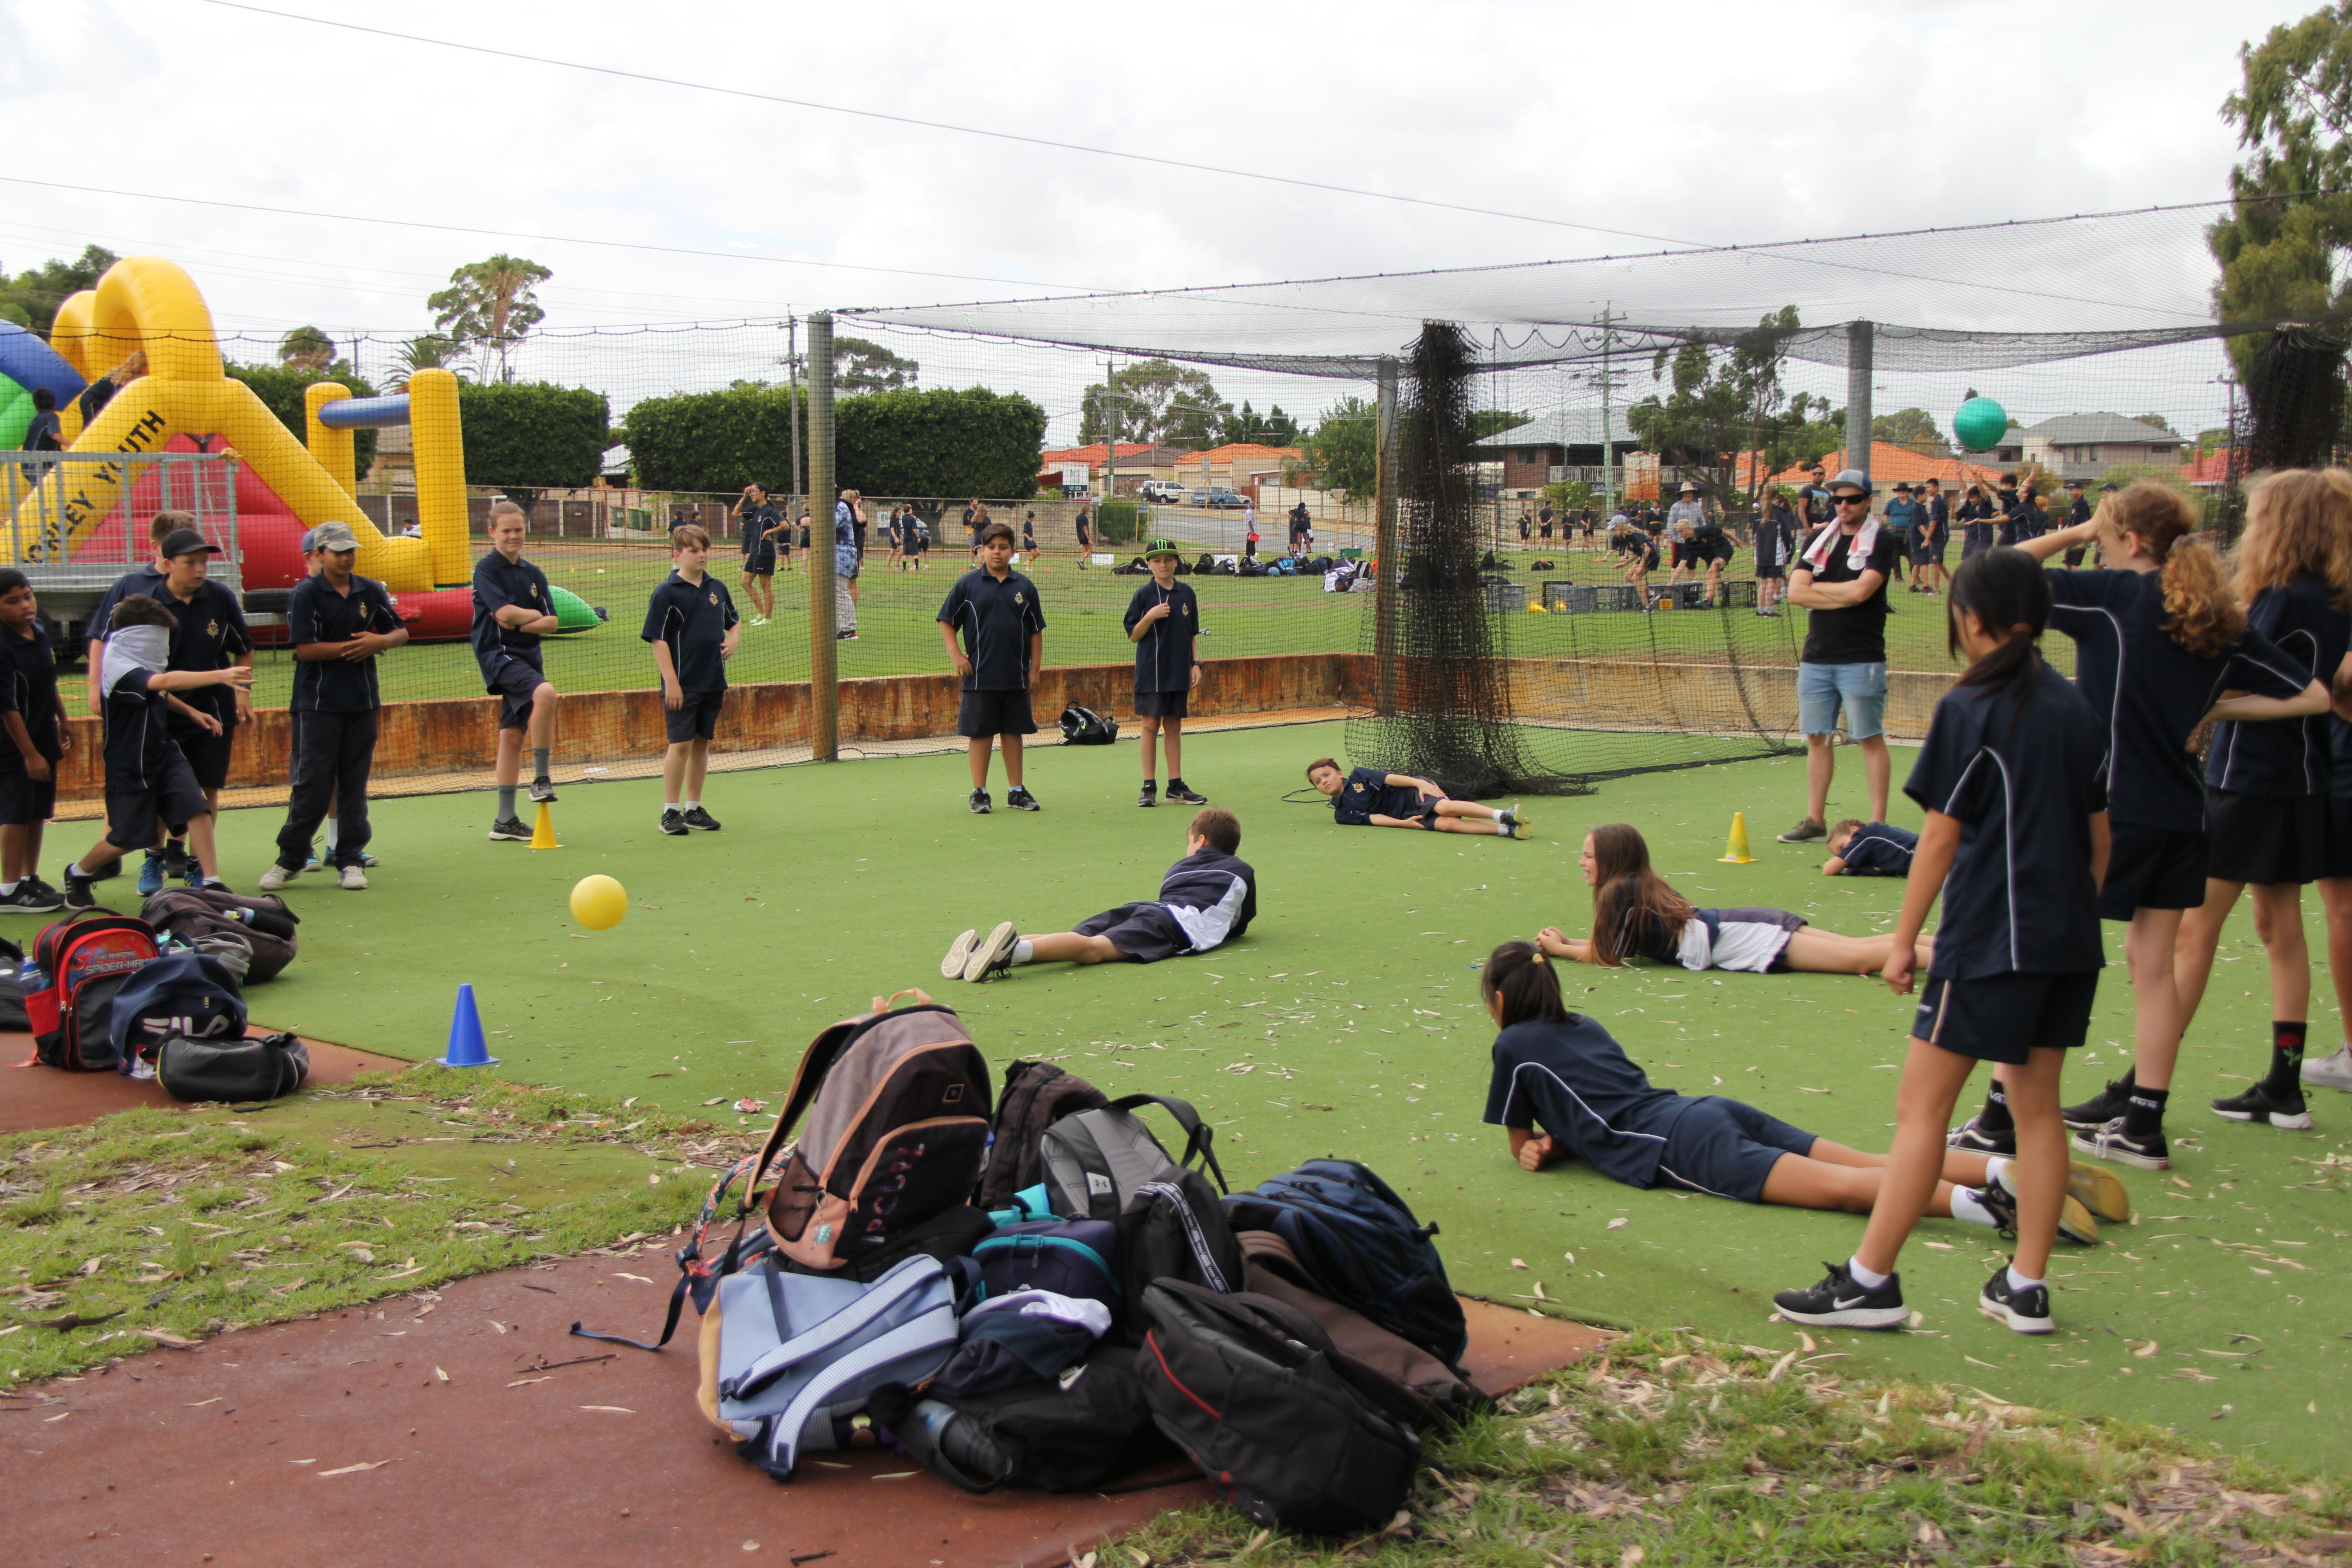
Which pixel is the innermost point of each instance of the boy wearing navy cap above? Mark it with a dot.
(211, 634)
(338, 622)
(1003, 628)
(1161, 620)
(513, 608)
(693, 627)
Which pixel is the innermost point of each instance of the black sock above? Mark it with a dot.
(2287, 1057)
(1175, 784)
(1994, 1117)
(2144, 1114)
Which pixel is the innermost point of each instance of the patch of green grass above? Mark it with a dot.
(1672, 1449)
(152, 1227)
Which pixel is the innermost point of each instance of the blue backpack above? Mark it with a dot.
(180, 993)
(1078, 1258)
(1361, 1248)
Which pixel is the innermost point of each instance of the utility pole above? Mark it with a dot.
(1607, 447)
(793, 407)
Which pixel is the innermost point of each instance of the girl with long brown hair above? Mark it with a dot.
(1636, 915)
(2268, 786)
(2159, 639)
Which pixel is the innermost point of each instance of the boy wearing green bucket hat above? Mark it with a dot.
(1161, 620)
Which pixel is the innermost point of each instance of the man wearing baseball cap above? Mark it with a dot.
(1841, 576)
(338, 622)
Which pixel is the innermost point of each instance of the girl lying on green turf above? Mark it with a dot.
(1636, 915)
(1370, 798)
(1564, 1073)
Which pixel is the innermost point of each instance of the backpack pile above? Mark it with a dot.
(253, 937)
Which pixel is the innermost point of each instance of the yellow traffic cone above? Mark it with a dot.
(1735, 848)
(542, 832)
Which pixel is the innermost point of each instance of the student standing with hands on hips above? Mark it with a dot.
(693, 628)
(2013, 779)
(1161, 620)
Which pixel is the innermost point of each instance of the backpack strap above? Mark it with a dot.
(691, 1264)
(1197, 1134)
(1202, 1256)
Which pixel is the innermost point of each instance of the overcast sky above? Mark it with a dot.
(1692, 122)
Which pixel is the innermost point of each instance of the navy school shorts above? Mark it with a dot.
(514, 685)
(2002, 1018)
(1727, 1148)
(697, 719)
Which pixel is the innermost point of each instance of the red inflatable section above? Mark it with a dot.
(269, 536)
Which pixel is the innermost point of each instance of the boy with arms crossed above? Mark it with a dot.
(512, 610)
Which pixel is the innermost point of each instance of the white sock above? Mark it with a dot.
(1868, 1279)
(1997, 1170)
(1024, 951)
(1503, 828)
(6, 888)
(689, 805)
(332, 826)
(2020, 1282)
(1968, 1205)
(669, 805)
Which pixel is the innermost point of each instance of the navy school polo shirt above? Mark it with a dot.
(29, 686)
(995, 620)
(147, 580)
(1878, 850)
(757, 520)
(1163, 654)
(137, 735)
(211, 634)
(2151, 692)
(694, 619)
(1570, 1078)
(316, 613)
(1368, 792)
(2022, 780)
(2285, 758)
(500, 584)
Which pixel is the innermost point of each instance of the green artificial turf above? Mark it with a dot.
(1348, 1023)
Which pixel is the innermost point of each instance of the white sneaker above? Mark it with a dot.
(959, 954)
(276, 878)
(2333, 1070)
(354, 879)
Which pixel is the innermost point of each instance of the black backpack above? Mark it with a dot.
(1106, 1165)
(1036, 1095)
(1296, 1433)
(1068, 1434)
(244, 1069)
(1084, 727)
(1361, 1245)
(1206, 563)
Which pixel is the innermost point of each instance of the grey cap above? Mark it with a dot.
(1854, 476)
(334, 535)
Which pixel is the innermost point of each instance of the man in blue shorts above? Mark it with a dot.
(1840, 575)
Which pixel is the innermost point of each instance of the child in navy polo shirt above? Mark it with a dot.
(513, 608)
(2013, 779)
(33, 716)
(1562, 1088)
(996, 611)
(147, 782)
(1370, 798)
(693, 627)
(1859, 849)
(1206, 900)
(1161, 620)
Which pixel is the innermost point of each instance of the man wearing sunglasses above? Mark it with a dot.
(1840, 577)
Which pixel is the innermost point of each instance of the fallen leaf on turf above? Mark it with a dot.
(1801, 1088)
(169, 1340)
(1518, 1263)
(1571, 1258)
(1631, 1557)
(2146, 1350)
(1780, 1366)
(2184, 1184)
(714, 1101)
(354, 1470)
(750, 1107)
(91, 1267)
(1938, 1245)
(1613, 1224)
(616, 1409)
(638, 1278)
(521, 1380)
(439, 1374)
(1985, 1364)
(1806, 1340)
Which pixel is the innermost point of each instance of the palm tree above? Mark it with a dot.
(432, 351)
(307, 349)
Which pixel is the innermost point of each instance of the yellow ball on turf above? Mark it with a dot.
(598, 902)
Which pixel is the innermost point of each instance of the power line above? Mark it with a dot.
(908, 120)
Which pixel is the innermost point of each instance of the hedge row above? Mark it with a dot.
(971, 442)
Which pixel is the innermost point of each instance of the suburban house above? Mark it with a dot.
(1561, 447)
(2086, 446)
(1137, 462)
(1891, 465)
(1236, 465)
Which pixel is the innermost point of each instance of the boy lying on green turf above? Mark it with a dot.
(1206, 898)
(1565, 1074)
(1370, 798)
(1859, 849)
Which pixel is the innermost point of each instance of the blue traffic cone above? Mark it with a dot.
(466, 1048)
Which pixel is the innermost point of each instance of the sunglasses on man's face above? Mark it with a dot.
(1852, 501)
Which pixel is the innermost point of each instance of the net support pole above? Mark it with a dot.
(1384, 537)
(824, 695)
(1858, 344)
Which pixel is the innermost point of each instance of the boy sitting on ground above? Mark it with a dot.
(1859, 849)
(1370, 798)
(1206, 898)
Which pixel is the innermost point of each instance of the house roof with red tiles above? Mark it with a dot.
(1891, 464)
(1242, 452)
(1096, 454)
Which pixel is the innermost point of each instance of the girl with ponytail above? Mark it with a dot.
(2011, 777)
(1562, 1088)
(2162, 646)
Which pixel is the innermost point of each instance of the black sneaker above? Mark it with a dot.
(1971, 1137)
(1805, 832)
(1178, 790)
(1151, 795)
(992, 955)
(1020, 799)
(980, 806)
(2100, 1107)
(700, 818)
(77, 894)
(1838, 1302)
(673, 822)
(29, 899)
(2075, 1221)
(542, 790)
(2264, 1103)
(2150, 1153)
(510, 830)
(2027, 1312)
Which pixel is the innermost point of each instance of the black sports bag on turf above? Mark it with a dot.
(1068, 1434)
(262, 1068)
(1084, 727)
(1297, 1434)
